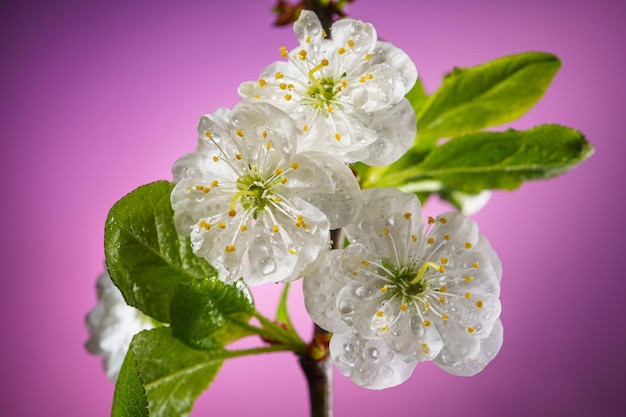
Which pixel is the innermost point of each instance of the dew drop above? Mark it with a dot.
(267, 265)
(373, 353)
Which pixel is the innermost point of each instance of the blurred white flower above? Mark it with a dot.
(397, 296)
(346, 94)
(112, 324)
(252, 205)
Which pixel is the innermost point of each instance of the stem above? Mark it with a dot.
(319, 375)
(315, 363)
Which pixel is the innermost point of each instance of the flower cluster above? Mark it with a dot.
(397, 296)
(269, 180)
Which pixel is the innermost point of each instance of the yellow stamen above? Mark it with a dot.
(215, 183)
(475, 265)
(350, 43)
(292, 251)
(368, 57)
(380, 313)
(471, 330)
(338, 137)
(208, 134)
(294, 165)
(383, 289)
(232, 213)
(279, 75)
(341, 51)
(215, 159)
(240, 133)
(444, 316)
(244, 227)
(468, 295)
(422, 270)
(276, 228)
(205, 225)
(479, 304)
(238, 156)
(283, 52)
(222, 225)
(407, 216)
(302, 54)
(468, 245)
(230, 248)
(278, 171)
(262, 82)
(287, 97)
(426, 323)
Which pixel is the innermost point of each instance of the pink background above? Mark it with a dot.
(98, 98)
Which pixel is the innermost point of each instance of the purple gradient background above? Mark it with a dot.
(98, 98)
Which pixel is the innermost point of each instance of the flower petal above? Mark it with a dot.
(370, 363)
(489, 348)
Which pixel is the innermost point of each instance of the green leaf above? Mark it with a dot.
(490, 94)
(499, 160)
(162, 375)
(204, 311)
(145, 255)
(417, 96)
(130, 398)
(282, 312)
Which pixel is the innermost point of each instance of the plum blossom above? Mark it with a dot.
(399, 295)
(346, 94)
(112, 324)
(253, 206)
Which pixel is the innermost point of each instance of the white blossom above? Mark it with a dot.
(112, 324)
(399, 295)
(346, 94)
(253, 207)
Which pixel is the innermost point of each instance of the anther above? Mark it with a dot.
(283, 52)
(276, 228)
(468, 245)
(341, 51)
(443, 220)
(294, 165)
(407, 216)
(232, 213)
(471, 330)
(380, 313)
(445, 317)
(338, 137)
(230, 248)
(426, 323)
(240, 133)
(475, 265)
(350, 43)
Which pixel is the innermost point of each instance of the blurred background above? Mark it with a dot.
(100, 97)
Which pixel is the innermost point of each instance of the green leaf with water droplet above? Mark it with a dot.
(497, 160)
(204, 311)
(494, 93)
(145, 256)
